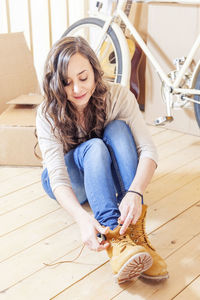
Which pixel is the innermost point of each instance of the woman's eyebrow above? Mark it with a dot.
(81, 72)
(78, 74)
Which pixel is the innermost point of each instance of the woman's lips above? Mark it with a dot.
(80, 97)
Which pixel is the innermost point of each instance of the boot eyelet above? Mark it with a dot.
(132, 235)
(136, 241)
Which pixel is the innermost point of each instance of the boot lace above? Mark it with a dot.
(67, 261)
(138, 234)
(122, 241)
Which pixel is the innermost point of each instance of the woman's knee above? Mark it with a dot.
(115, 128)
(97, 148)
(91, 150)
(119, 138)
(118, 131)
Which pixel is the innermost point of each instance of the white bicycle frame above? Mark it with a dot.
(172, 86)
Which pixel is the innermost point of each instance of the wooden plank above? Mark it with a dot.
(21, 197)
(20, 182)
(155, 129)
(63, 274)
(33, 279)
(158, 213)
(32, 259)
(34, 232)
(191, 292)
(26, 214)
(184, 266)
(99, 285)
(166, 136)
(177, 160)
(9, 172)
(171, 182)
(166, 240)
(174, 234)
(172, 205)
(177, 145)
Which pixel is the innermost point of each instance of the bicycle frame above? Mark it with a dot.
(119, 12)
(172, 86)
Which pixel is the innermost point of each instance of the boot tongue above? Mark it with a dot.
(144, 211)
(113, 233)
(138, 231)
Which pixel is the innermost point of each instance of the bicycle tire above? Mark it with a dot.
(197, 98)
(122, 75)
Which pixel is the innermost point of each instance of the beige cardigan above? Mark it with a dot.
(121, 105)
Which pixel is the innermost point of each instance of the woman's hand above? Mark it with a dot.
(130, 209)
(89, 227)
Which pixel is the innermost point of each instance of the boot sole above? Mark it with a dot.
(155, 278)
(134, 267)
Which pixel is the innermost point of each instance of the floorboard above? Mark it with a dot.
(35, 230)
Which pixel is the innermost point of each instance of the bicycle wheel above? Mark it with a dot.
(197, 98)
(112, 54)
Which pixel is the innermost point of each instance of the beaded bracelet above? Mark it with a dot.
(129, 191)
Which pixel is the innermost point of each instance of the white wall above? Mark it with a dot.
(41, 39)
(172, 30)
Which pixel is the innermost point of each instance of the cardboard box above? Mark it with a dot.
(19, 95)
(17, 126)
(17, 72)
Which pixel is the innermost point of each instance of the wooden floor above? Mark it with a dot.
(34, 230)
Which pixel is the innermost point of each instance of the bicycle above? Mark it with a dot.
(179, 88)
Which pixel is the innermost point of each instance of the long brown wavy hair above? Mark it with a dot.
(63, 113)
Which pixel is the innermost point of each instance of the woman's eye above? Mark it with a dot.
(83, 79)
(65, 83)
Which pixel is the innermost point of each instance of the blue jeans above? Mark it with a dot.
(101, 171)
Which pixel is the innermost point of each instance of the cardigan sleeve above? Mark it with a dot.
(122, 105)
(52, 152)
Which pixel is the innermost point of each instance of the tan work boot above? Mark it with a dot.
(127, 259)
(158, 270)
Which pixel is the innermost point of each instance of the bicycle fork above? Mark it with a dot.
(101, 39)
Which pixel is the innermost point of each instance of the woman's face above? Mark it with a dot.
(80, 83)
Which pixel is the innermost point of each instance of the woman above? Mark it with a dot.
(96, 148)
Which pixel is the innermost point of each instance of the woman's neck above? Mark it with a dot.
(81, 119)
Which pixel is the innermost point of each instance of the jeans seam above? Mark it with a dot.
(119, 177)
(80, 166)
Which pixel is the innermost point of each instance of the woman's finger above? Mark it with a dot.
(137, 214)
(101, 229)
(93, 244)
(103, 246)
(124, 213)
(99, 246)
(126, 223)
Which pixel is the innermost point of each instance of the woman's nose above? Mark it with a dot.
(76, 88)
